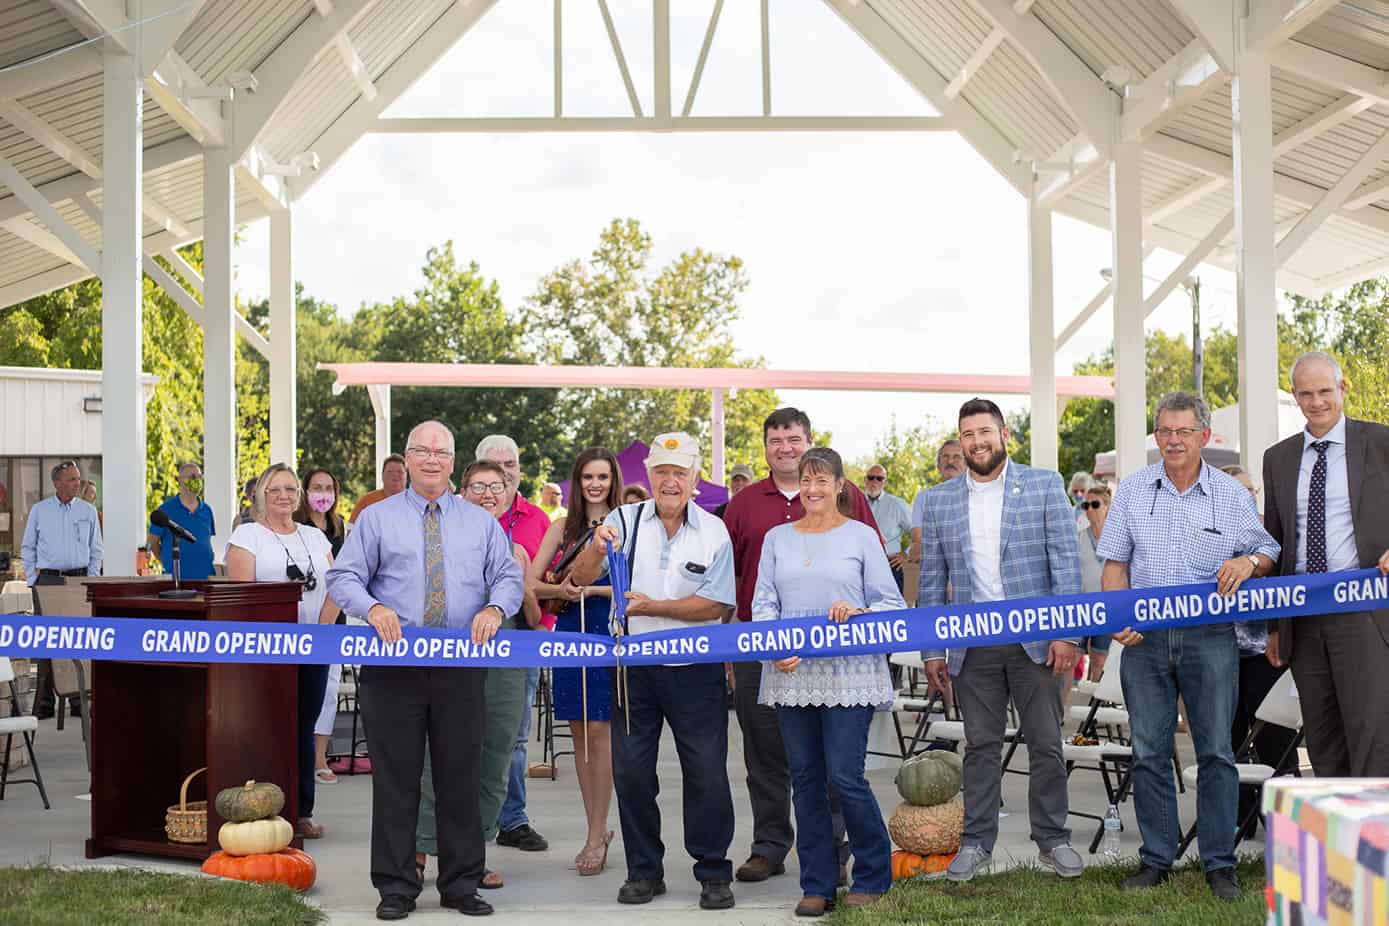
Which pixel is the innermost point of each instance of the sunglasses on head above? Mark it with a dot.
(295, 574)
(1093, 503)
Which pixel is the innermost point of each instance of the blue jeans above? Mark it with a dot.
(1202, 665)
(514, 809)
(825, 747)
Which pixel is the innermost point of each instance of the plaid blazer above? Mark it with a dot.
(1037, 546)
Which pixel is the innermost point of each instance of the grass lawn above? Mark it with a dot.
(41, 895)
(1038, 898)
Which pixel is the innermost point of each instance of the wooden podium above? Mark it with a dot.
(153, 723)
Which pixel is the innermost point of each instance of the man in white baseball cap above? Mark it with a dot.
(680, 562)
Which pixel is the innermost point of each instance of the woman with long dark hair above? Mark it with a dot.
(318, 505)
(595, 489)
(828, 563)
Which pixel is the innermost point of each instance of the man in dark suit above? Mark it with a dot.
(1325, 491)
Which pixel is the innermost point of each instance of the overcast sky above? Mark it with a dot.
(891, 252)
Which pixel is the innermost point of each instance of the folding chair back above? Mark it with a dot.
(6, 670)
(1110, 690)
(1281, 705)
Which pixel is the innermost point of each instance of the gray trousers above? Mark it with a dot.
(988, 678)
(1340, 663)
(769, 774)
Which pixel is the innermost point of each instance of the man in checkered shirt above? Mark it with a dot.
(1178, 522)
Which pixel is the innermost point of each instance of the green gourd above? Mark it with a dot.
(255, 800)
(930, 778)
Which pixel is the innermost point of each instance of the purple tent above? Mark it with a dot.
(632, 462)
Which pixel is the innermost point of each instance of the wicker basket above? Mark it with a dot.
(187, 822)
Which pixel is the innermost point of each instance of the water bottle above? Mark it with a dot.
(1109, 846)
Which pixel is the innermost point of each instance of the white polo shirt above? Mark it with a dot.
(698, 560)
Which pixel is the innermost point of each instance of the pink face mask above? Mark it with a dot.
(321, 501)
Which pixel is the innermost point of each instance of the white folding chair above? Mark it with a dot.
(1112, 759)
(1279, 707)
(23, 724)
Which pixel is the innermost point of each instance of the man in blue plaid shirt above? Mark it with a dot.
(1178, 522)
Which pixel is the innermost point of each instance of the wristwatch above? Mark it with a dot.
(1255, 560)
(498, 608)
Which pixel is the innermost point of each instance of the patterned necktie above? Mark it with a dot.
(434, 599)
(1316, 511)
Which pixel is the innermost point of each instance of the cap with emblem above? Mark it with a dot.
(674, 449)
(741, 469)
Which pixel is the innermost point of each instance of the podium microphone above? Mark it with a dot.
(177, 532)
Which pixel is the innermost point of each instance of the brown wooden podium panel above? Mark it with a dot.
(153, 723)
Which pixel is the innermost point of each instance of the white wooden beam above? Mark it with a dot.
(1331, 70)
(1176, 202)
(1041, 313)
(974, 62)
(47, 135)
(1093, 306)
(435, 38)
(166, 281)
(1130, 356)
(701, 60)
(278, 74)
(42, 239)
(1085, 162)
(1190, 75)
(883, 30)
(352, 61)
(270, 189)
(766, 30)
(1021, 7)
(616, 44)
(1189, 263)
(1333, 199)
(660, 57)
(1368, 194)
(181, 93)
(43, 210)
(21, 80)
(284, 439)
(1093, 105)
(1274, 21)
(1213, 22)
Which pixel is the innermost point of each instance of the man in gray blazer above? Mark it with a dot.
(1325, 497)
(1003, 530)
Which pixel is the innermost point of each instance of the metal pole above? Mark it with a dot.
(1198, 353)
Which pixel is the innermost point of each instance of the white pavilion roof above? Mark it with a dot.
(1031, 84)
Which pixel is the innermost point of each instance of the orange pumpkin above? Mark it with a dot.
(288, 866)
(908, 864)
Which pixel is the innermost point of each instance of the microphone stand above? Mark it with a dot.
(177, 592)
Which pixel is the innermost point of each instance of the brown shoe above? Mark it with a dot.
(814, 906)
(857, 899)
(758, 868)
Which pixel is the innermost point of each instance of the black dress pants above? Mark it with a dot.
(313, 682)
(404, 707)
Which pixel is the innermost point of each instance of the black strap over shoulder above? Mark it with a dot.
(632, 537)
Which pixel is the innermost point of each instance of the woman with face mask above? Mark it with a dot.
(318, 506)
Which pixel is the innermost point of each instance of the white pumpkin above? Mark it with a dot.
(258, 837)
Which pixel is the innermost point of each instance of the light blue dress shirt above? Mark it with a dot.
(919, 509)
(63, 537)
(1172, 538)
(893, 517)
(801, 575)
(382, 561)
(1340, 529)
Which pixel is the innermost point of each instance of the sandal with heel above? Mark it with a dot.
(593, 859)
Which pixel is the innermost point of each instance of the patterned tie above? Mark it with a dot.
(1316, 511)
(434, 599)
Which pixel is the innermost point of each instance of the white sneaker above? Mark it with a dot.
(970, 861)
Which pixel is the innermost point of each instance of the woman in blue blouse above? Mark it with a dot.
(828, 563)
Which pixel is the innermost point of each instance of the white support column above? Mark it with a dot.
(381, 406)
(1130, 356)
(122, 339)
(716, 420)
(219, 343)
(660, 15)
(1041, 314)
(284, 402)
(1257, 256)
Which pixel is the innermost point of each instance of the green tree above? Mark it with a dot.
(908, 455)
(615, 309)
(1354, 328)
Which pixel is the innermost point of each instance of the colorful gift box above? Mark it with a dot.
(1327, 855)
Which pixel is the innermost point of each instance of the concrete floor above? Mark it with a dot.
(541, 887)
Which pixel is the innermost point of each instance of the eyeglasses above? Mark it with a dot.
(282, 490)
(875, 478)
(496, 488)
(1183, 433)
(1093, 503)
(425, 453)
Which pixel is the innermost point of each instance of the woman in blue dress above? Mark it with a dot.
(828, 563)
(595, 487)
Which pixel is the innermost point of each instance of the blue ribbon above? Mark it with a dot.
(1017, 620)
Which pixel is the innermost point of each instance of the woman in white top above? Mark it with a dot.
(274, 548)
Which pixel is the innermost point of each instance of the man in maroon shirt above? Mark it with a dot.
(750, 514)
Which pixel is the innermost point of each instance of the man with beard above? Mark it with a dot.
(1004, 530)
(751, 513)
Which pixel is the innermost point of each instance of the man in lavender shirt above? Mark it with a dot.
(425, 557)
